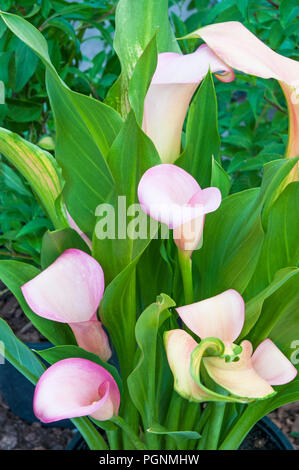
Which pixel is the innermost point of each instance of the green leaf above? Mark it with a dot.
(142, 381)
(202, 137)
(178, 436)
(280, 248)
(141, 78)
(14, 274)
(55, 243)
(275, 179)
(39, 169)
(279, 318)
(288, 10)
(229, 255)
(255, 304)
(25, 62)
(136, 23)
(83, 138)
(116, 251)
(19, 355)
(59, 353)
(220, 178)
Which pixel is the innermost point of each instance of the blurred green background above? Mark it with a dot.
(253, 121)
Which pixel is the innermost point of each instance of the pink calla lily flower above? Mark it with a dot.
(173, 85)
(241, 50)
(222, 317)
(70, 291)
(76, 387)
(172, 196)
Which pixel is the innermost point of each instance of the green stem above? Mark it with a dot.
(186, 271)
(241, 428)
(139, 445)
(215, 425)
(173, 418)
(92, 437)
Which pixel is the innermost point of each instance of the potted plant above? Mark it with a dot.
(195, 288)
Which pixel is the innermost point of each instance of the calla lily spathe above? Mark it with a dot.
(172, 196)
(76, 387)
(173, 85)
(241, 372)
(241, 50)
(70, 291)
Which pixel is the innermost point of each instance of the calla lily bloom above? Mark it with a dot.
(239, 49)
(70, 291)
(172, 196)
(243, 374)
(76, 387)
(173, 85)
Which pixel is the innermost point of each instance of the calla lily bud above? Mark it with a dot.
(242, 373)
(172, 196)
(70, 291)
(76, 387)
(173, 85)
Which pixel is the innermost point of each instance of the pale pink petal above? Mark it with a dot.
(164, 192)
(170, 195)
(239, 378)
(293, 139)
(221, 316)
(179, 346)
(69, 290)
(78, 230)
(76, 387)
(272, 365)
(169, 95)
(91, 336)
(209, 198)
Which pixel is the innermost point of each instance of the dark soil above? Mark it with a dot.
(18, 434)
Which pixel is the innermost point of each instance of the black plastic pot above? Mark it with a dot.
(18, 391)
(264, 436)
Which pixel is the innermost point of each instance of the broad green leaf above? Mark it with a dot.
(26, 63)
(141, 78)
(255, 304)
(136, 23)
(118, 314)
(220, 178)
(131, 154)
(279, 317)
(58, 353)
(142, 381)
(14, 274)
(280, 248)
(55, 243)
(19, 355)
(85, 130)
(202, 136)
(233, 237)
(275, 179)
(39, 168)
